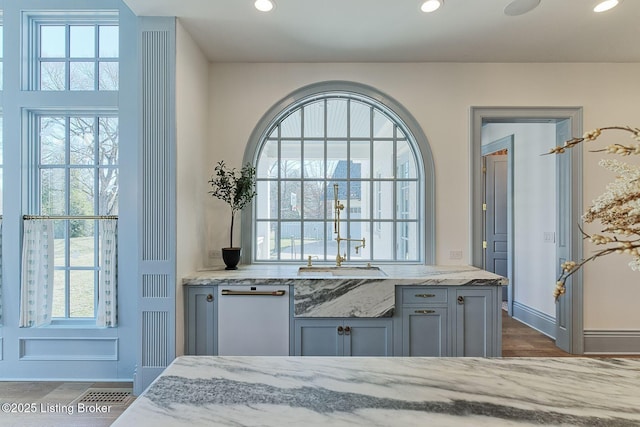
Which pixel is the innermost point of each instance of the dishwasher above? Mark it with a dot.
(253, 320)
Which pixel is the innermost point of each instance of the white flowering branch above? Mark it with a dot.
(617, 209)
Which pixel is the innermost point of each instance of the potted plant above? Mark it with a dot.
(237, 188)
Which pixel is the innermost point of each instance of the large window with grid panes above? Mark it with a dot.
(73, 148)
(345, 147)
(79, 53)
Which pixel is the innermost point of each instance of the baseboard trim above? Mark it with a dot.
(535, 319)
(612, 342)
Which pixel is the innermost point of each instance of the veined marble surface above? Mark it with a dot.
(346, 296)
(270, 274)
(333, 391)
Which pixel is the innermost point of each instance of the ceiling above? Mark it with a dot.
(396, 31)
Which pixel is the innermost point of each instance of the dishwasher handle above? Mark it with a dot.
(278, 293)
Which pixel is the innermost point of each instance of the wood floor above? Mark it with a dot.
(519, 340)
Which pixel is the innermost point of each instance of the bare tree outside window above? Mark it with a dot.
(78, 175)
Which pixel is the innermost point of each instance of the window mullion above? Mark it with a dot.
(348, 142)
(302, 179)
(372, 196)
(395, 195)
(96, 210)
(67, 211)
(96, 60)
(67, 68)
(325, 159)
(276, 237)
(34, 149)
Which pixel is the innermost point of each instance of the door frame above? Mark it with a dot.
(569, 309)
(505, 143)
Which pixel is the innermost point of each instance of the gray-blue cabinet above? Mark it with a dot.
(200, 321)
(448, 321)
(424, 331)
(424, 314)
(429, 321)
(477, 322)
(343, 337)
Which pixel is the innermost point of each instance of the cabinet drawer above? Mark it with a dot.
(424, 295)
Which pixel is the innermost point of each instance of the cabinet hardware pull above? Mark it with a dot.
(254, 293)
(424, 311)
(425, 295)
(209, 297)
(340, 330)
(347, 330)
(460, 299)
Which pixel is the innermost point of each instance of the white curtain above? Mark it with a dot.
(107, 308)
(36, 291)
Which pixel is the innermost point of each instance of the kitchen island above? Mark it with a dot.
(330, 391)
(391, 310)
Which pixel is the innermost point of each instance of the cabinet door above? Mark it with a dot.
(200, 321)
(475, 326)
(368, 337)
(318, 337)
(424, 331)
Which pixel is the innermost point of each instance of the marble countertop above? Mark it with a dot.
(331, 391)
(269, 274)
(347, 295)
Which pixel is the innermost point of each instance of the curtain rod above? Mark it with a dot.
(69, 217)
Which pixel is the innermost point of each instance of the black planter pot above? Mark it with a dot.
(231, 258)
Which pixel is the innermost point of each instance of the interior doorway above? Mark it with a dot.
(497, 161)
(529, 293)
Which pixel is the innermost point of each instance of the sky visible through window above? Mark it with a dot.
(78, 57)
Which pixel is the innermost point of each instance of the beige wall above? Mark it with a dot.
(192, 105)
(439, 96)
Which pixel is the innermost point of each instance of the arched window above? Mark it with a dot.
(347, 142)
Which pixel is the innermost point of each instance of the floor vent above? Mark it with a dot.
(106, 396)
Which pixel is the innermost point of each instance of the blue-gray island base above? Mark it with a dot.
(331, 391)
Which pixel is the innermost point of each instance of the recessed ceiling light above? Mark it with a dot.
(520, 7)
(431, 5)
(603, 6)
(264, 5)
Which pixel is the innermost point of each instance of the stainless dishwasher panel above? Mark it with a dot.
(253, 320)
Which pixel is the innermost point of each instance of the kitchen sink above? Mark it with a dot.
(341, 271)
